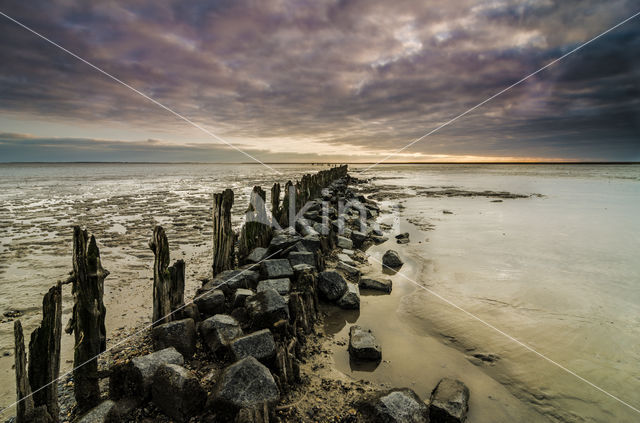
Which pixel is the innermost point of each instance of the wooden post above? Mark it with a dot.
(24, 407)
(168, 282)
(87, 321)
(275, 204)
(44, 353)
(256, 231)
(223, 235)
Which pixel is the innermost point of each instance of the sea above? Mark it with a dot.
(535, 300)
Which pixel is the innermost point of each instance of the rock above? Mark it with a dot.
(210, 302)
(259, 345)
(348, 252)
(331, 285)
(281, 285)
(276, 268)
(229, 281)
(379, 239)
(133, 379)
(218, 331)
(377, 232)
(296, 257)
(266, 308)
(383, 285)
(102, 413)
(177, 392)
(190, 311)
(256, 255)
(402, 241)
(449, 402)
(351, 298)
(346, 259)
(246, 383)
(312, 243)
(392, 259)
(349, 270)
(362, 345)
(403, 235)
(397, 406)
(180, 334)
(322, 229)
(240, 297)
(283, 239)
(305, 227)
(344, 242)
(447, 212)
(358, 238)
(313, 215)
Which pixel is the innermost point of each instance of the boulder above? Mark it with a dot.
(266, 308)
(218, 331)
(190, 311)
(396, 406)
(283, 239)
(312, 243)
(348, 252)
(276, 268)
(358, 238)
(281, 285)
(210, 302)
(101, 413)
(351, 298)
(246, 383)
(362, 345)
(377, 239)
(296, 257)
(344, 242)
(403, 241)
(229, 281)
(177, 392)
(259, 345)
(256, 255)
(321, 228)
(402, 235)
(449, 402)
(383, 285)
(133, 379)
(392, 259)
(331, 285)
(241, 296)
(346, 259)
(354, 272)
(180, 334)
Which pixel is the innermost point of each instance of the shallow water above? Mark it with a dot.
(120, 204)
(559, 273)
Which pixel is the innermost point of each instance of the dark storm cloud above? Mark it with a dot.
(370, 74)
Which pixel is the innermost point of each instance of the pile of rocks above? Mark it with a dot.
(252, 320)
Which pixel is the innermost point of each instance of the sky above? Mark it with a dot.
(319, 80)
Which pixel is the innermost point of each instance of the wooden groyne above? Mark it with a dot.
(249, 325)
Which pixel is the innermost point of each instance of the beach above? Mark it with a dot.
(547, 256)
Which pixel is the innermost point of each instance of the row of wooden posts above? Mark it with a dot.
(36, 379)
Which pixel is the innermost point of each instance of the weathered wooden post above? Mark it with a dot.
(168, 282)
(24, 407)
(223, 235)
(275, 204)
(256, 231)
(87, 321)
(44, 353)
(288, 206)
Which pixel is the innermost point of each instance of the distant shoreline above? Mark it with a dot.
(337, 163)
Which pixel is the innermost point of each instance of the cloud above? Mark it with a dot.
(325, 76)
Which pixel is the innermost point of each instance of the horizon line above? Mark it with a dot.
(320, 163)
